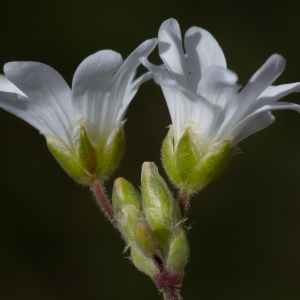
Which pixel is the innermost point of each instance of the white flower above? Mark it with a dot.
(102, 88)
(201, 91)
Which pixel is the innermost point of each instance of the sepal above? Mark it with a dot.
(186, 156)
(67, 160)
(210, 168)
(168, 160)
(143, 263)
(145, 238)
(179, 252)
(110, 155)
(86, 152)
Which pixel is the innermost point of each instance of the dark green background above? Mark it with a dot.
(245, 236)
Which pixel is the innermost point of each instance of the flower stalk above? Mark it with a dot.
(103, 201)
(184, 201)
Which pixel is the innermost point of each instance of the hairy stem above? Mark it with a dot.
(103, 201)
(183, 202)
(172, 294)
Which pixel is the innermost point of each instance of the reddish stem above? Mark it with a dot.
(169, 284)
(103, 201)
(183, 202)
(172, 294)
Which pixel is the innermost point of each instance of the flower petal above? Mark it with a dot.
(203, 51)
(185, 107)
(92, 84)
(19, 106)
(274, 93)
(262, 79)
(170, 50)
(237, 134)
(124, 88)
(49, 96)
(257, 123)
(132, 90)
(218, 85)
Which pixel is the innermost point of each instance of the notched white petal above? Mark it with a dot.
(203, 51)
(171, 51)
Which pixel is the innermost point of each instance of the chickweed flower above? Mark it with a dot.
(210, 112)
(83, 126)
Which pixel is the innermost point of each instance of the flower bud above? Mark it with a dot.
(188, 166)
(144, 238)
(143, 263)
(161, 210)
(127, 207)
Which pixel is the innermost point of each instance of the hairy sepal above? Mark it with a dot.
(67, 160)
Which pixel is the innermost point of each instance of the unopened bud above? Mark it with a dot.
(161, 210)
(127, 207)
(144, 238)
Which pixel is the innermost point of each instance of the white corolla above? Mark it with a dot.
(205, 100)
(83, 126)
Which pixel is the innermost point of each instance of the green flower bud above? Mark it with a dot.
(144, 238)
(127, 207)
(143, 263)
(188, 166)
(161, 210)
(179, 252)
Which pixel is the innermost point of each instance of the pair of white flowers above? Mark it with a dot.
(199, 89)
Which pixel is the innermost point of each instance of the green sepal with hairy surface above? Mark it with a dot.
(210, 168)
(145, 238)
(67, 160)
(127, 206)
(179, 252)
(185, 154)
(110, 156)
(86, 152)
(168, 159)
(143, 263)
(161, 209)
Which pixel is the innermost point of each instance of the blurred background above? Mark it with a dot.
(245, 237)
